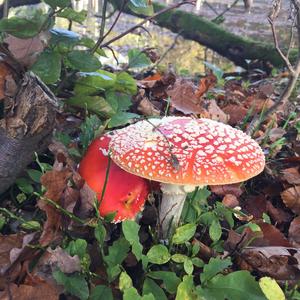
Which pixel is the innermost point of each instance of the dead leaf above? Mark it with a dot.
(221, 190)
(63, 260)
(276, 133)
(215, 112)
(55, 183)
(87, 202)
(291, 198)
(255, 205)
(278, 215)
(230, 200)
(294, 232)
(28, 292)
(26, 51)
(236, 113)
(184, 98)
(271, 237)
(277, 262)
(147, 108)
(291, 175)
(205, 84)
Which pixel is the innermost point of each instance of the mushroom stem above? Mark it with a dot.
(171, 206)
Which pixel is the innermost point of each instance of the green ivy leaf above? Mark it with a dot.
(83, 61)
(74, 284)
(59, 3)
(24, 28)
(234, 286)
(35, 175)
(131, 232)
(271, 289)
(93, 82)
(125, 282)
(138, 59)
(151, 287)
(48, 66)
(215, 230)
(214, 266)
(101, 292)
(186, 289)
(95, 104)
(24, 185)
(121, 118)
(77, 247)
(73, 15)
(188, 266)
(184, 233)
(100, 233)
(170, 280)
(158, 254)
(125, 84)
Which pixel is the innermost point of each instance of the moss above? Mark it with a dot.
(236, 48)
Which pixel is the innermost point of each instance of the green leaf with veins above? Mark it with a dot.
(83, 61)
(158, 254)
(184, 233)
(138, 59)
(101, 292)
(48, 66)
(59, 3)
(141, 7)
(73, 15)
(170, 280)
(151, 287)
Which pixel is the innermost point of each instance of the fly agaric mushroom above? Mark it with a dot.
(182, 153)
(124, 194)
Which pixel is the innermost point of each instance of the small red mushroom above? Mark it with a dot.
(124, 194)
(181, 153)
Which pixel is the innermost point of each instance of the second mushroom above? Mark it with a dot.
(182, 153)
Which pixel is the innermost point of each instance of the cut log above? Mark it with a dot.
(26, 126)
(236, 48)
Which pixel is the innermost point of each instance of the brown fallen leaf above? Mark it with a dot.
(63, 260)
(214, 112)
(230, 200)
(294, 232)
(291, 175)
(222, 190)
(183, 97)
(277, 214)
(13, 252)
(26, 51)
(205, 84)
(276, 133)
(255, 205)
(291, 198)
(236, 113)
(279, 263)
(55, 183)
(28, 292)
(147, 108)
(271, 237)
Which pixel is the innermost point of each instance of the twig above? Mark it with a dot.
(146, 20)
(226, 10)
(165, 53)
(102, 27)
(294, 71)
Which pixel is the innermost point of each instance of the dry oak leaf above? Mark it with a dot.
(28, 292)
(214, 112)
(236, 113)
(294, 232)
(222, 190)
(291, 175)
(147, 108)
(184, 98)
(277, 262)
(55, 183)
(291, 198)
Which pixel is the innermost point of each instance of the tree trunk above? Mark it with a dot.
(236, 48)
(26, 127)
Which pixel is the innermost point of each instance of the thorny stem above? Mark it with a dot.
(294, 71)
(146, 20)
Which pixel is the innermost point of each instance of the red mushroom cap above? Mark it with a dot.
(186, 151)
(125, 193)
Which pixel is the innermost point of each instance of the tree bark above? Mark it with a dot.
(27, 125)
(236, 48)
